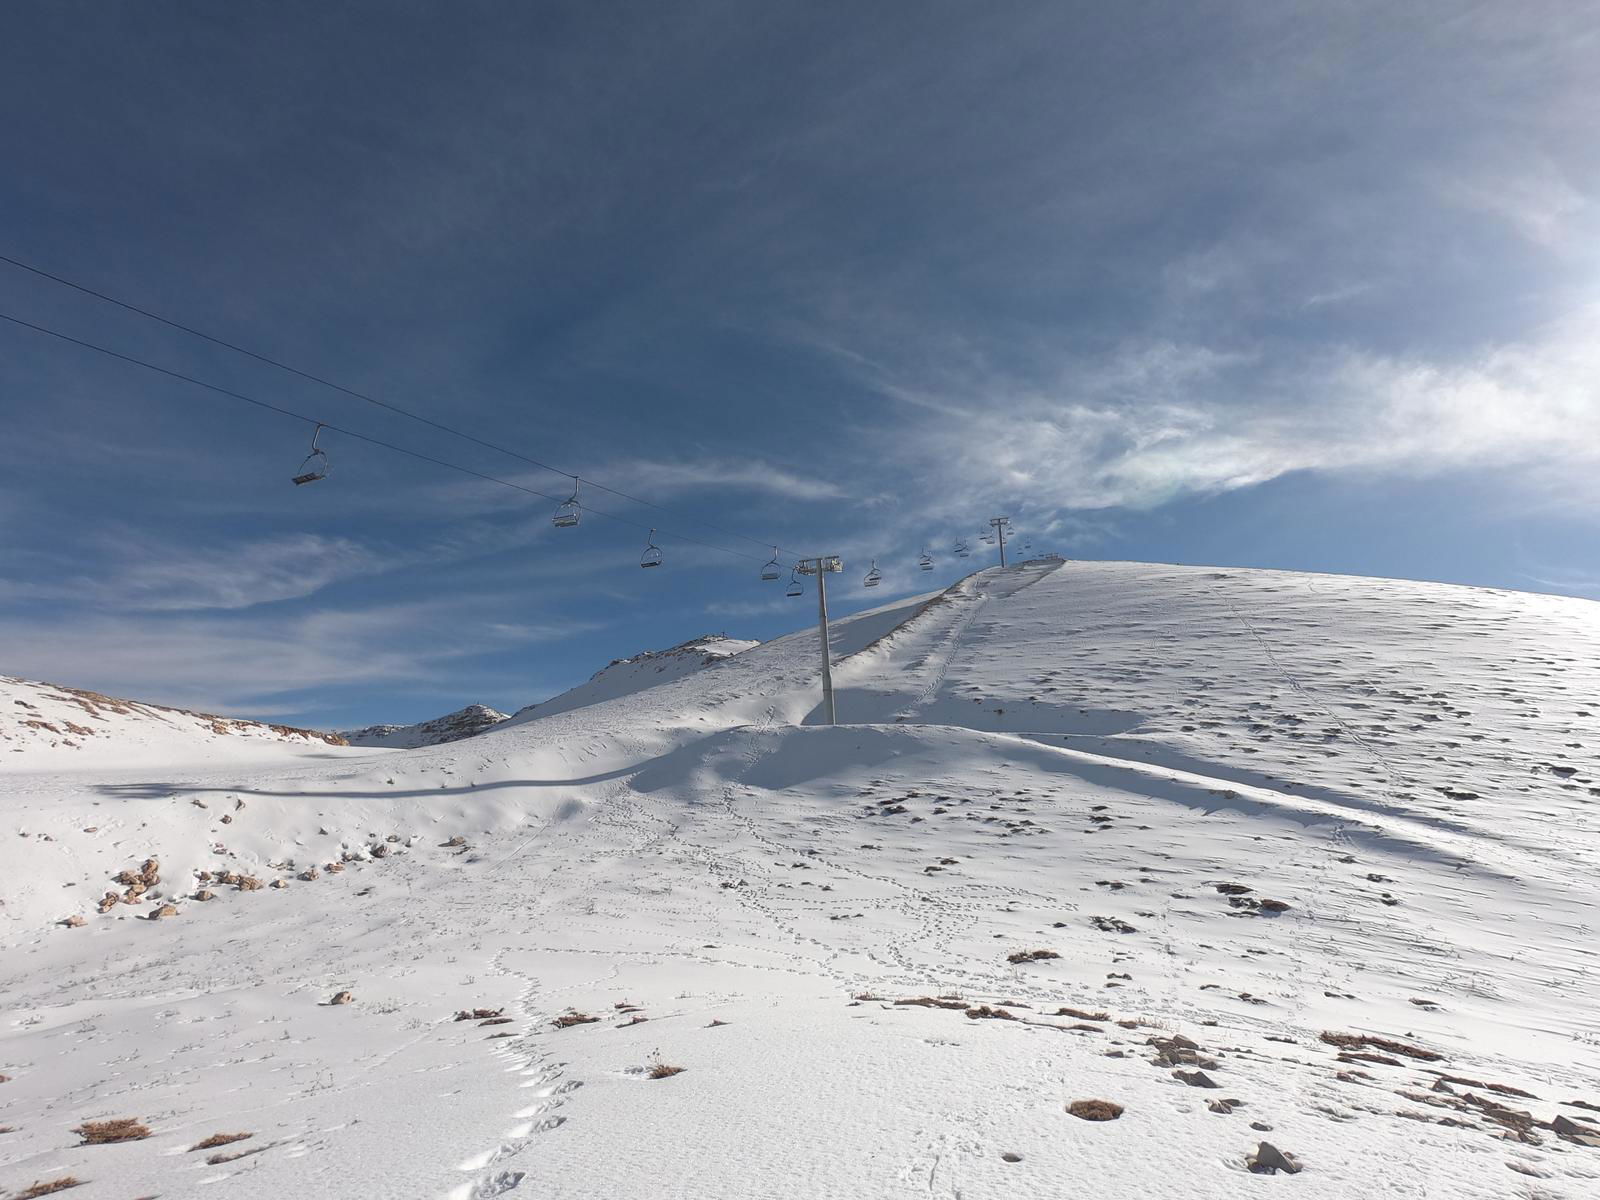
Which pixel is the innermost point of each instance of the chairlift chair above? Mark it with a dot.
(652, 552)
(315, 466)
(796, 588)
(960, 549)
(772, 570)
(926, 561)
(872, 578)
(569, 510)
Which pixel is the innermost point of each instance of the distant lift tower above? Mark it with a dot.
(828, 564)
(1001, 527)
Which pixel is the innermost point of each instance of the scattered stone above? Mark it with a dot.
(343, 998)
(1574, 1131)
(1269, 1160)
(1196, 1079)
(478, 1014)
(1361, 1041)
(1111, 925)
(72, 922)
(247, 883)
(279, 884)
(204, 894)
(1010, 1157)
(309, 874)
(1232, 889)
(1223, 1106)
(165, 911)
(1095, 1110)
(1275, 906)
(458, 840)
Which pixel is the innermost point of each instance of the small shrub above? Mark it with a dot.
(659, 1069)
(122, 1129)
(219, 1139)
(1095, 1110)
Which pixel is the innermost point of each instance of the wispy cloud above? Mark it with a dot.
(268, 664)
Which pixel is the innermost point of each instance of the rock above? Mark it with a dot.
(333, 868)
(74, 921)
(1269, 1160)
(165, 911)
(309, 874)
(1260, 1126)
(1276, 906)
(226, 819)
(380, 851)
(1573, 1131)
(280, 884)
(247, 883)
(1196, 1079)
(458, 840)
(1095, 1110)
(109, 901)
(203, 894)
(150, 872)
(1223, 1106)
(343, 998)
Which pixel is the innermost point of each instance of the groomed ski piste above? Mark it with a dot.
(1312, 860)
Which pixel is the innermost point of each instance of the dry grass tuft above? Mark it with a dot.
(568, 1020)
(1095, 1110)
(984, 1012)
(104, 1133)
(478, 1014)
(1028, 956)
(219, 1139)
(932, 1002)
(50, 1187)
(661, 1070)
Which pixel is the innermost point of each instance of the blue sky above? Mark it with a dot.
(1302, 285)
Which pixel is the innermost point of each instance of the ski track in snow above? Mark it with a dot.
(714, 882)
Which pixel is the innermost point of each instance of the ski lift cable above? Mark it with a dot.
(360, 437)
(348, 391)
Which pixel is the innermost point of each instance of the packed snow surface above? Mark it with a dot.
(1120, 832)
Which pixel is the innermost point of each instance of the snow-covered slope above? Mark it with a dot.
(624, 676)
(47, 724)
(1326, 843)
(452, 727)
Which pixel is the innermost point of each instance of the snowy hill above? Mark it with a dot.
(624, 676)
(1247, 857)
(463, 723)
(47, 723)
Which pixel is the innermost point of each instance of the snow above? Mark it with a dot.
(1029, 759)
(47, 725)
(625, 676)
